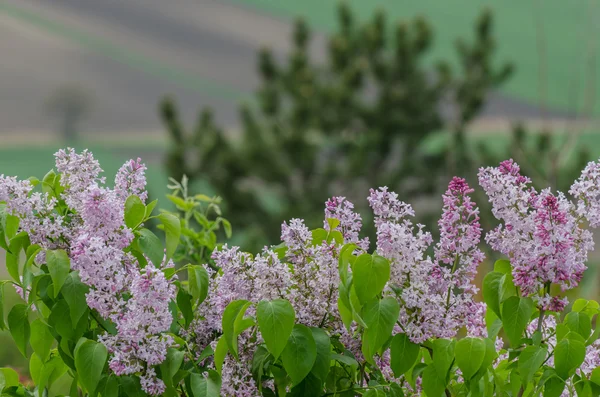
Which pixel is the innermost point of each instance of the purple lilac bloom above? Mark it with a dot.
(131, 180)
(586, 189)
(435, 296)
(541, 233)
(95, 236)
(350, 222)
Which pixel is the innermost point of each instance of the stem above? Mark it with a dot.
(540, 320)
(98, 321)
(450, 288)
(346, 390)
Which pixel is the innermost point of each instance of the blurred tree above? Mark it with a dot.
(357, 121)
(70, 104)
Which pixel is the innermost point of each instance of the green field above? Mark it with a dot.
(568, 36)
(23, 161)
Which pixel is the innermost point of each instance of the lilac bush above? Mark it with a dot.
(120, 311)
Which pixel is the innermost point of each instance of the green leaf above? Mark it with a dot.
(48, 182)
(502, 266)
(569, 354)
(108, 386)
(171, 365)
(310, 386)
(579, 322)
(492, 291)
(172, 228)
(205, 387)
(3, 216)
(595, 376)
(380, 317)
(345, 313)
(443, 355)
(74, 292)
(260, 357)
(232, 317)
(493, 323)
(198, 282)
(59, 266)
(318, 236)
(346, 258)
(18, 324)
(2, 324)
(150, 207)
(184, 302)
(16, 244)
(434, 382)
(333, 223)
(276, 322)
(226, 226)
(201, 386)
(375, 393)
(490, 354)
(584, 388)
(8, 378)
(151, 246)
(131, 386)
(322, 363)
(90, 358)
(469, 353)
(588, 307)
(135, 211)
(403, 353)
(60, 319)
(299, 354)
(220, 353)
(41, 339)
(516, 313)
(554, 387)
(45, 374)
(370, 274)
(530, 360)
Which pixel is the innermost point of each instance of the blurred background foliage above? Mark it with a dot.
(363, 118)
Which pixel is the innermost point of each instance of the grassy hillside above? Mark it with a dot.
(568, 36)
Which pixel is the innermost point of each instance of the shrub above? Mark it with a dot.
(319, 314)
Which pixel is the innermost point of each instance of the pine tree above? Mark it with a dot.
(360, 120)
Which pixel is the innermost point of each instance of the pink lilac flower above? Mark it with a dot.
(236, 375)
(93, 233)
(350, 222)
(151, 384)
(131, 180)
(78, 172)
(435, 296)
(586, 189)
(309, 280)
(35, 212)
(541, 232)
(241, 276)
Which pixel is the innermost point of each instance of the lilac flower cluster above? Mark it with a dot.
(241, 276)
(350, 222)
(308, 278)
(542, 232)
(93, 232)
(436, 295)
